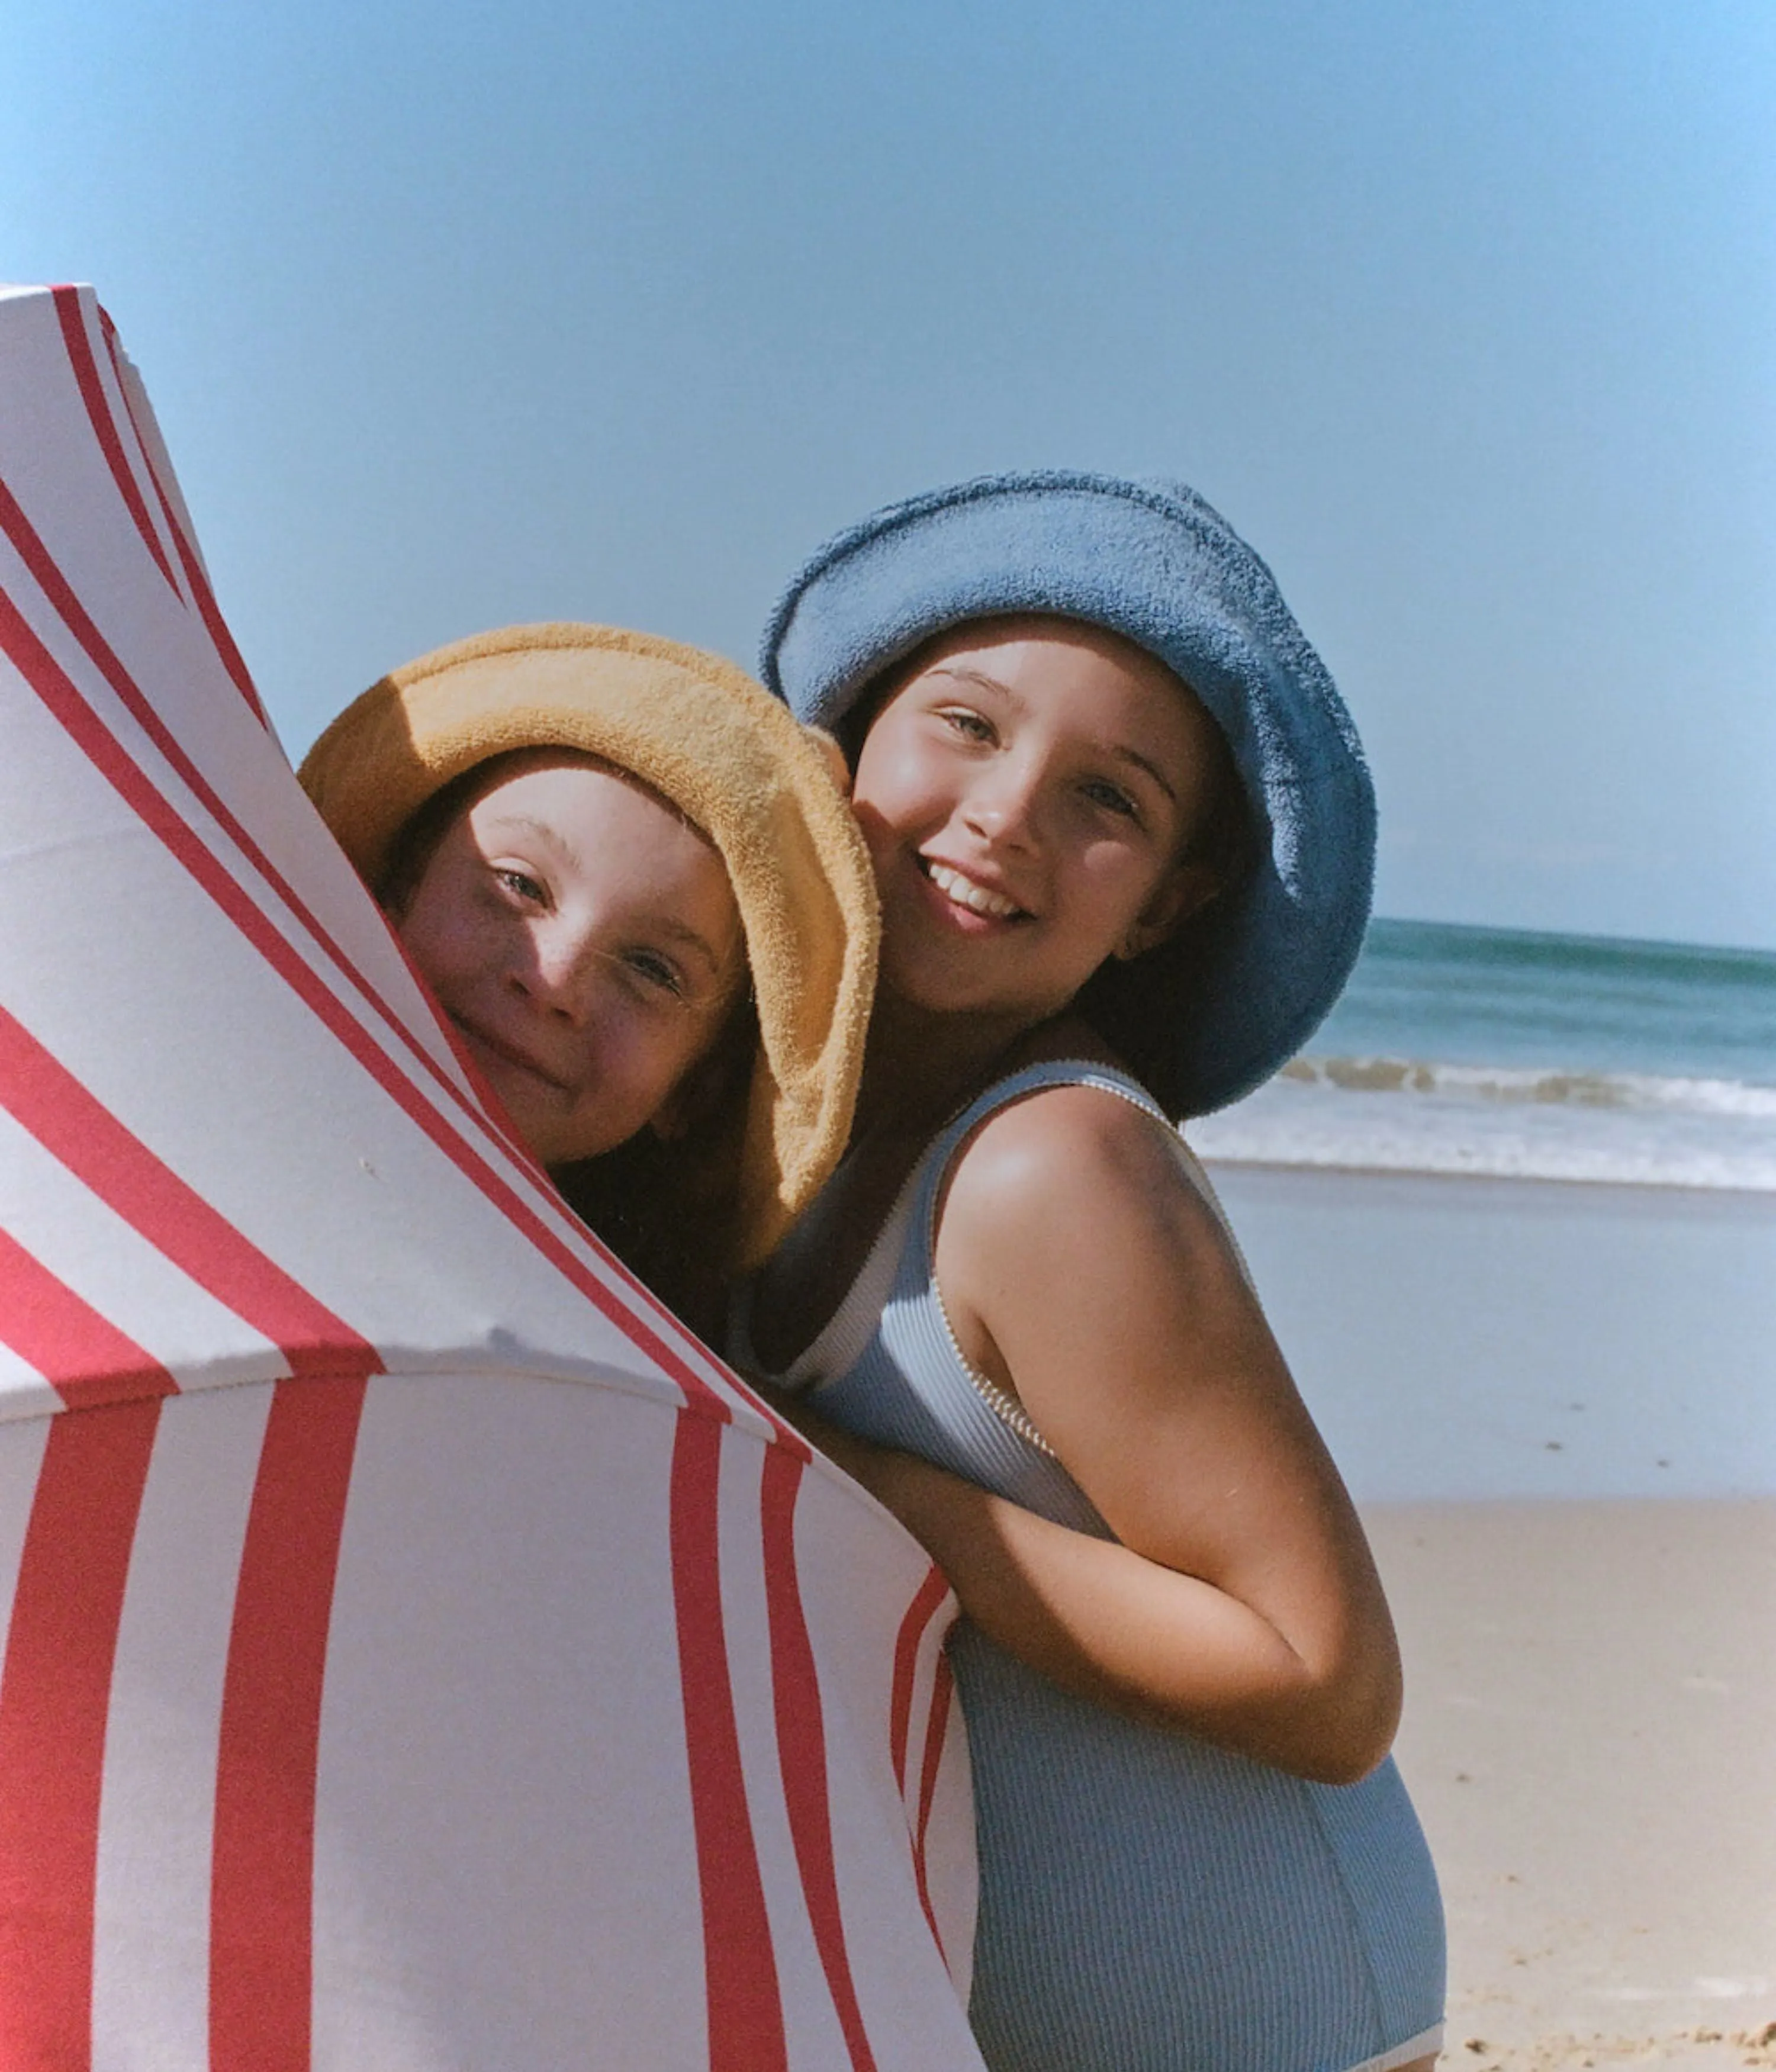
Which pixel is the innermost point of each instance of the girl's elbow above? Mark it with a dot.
(1355, 1731)
(1348, 1764)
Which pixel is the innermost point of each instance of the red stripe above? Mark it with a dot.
(746, 2014)
(29, 546)
(261, 1894)
(262, 1889)
(919, 1614)
(54, 1691)
(220, 639)
(78, 623)
(47, 1100)
(60, 694)
(942, 1685)
(746, 2017)
(86, 1358)
(801, 1744)
(105, 429)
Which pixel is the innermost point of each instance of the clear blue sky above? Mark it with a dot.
(1465, 314)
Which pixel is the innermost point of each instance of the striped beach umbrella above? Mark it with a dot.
(420, 1652)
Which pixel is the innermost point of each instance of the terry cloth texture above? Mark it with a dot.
(1206, 1019)
(704, 735)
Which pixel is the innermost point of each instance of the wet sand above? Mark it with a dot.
(1590, 1737)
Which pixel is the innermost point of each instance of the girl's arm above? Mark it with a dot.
(1081, 1269)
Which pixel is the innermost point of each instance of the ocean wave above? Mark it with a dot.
(1627, 1128)
(1646, 1091)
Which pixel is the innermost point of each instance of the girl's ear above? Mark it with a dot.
(1187, 886)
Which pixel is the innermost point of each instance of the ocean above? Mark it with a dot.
(1463, 1325)
(1529, 1056)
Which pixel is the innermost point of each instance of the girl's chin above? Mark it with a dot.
(535, 1119)
(960, 996)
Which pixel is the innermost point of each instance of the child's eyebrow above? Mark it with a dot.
(1125, 754)
(550, 837)
(681, 932)
(964, 674)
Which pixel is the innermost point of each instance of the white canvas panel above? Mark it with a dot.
(151, 2002)
(503, 1822)
(421, 1710)
(874, 1824)
(815, 2036)
(21, 1456)
(953, 1872)
(131, 1283)
(24, 1392)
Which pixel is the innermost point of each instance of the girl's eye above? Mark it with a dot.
(972, 725)
(657, 972)
(1112, 798)
(522, 883)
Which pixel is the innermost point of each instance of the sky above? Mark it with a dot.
(1465, 314)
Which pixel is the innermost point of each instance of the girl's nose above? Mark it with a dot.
(559, 972)
(1002, 804)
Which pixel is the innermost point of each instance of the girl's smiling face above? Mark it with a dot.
(1030, 794)
(584, 940)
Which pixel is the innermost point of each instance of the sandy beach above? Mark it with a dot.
(1459, 1337)
(1556, 1406)
(1591, 1689)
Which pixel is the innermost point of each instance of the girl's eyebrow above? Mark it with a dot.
(964, 674)
(551, 838)
(681, 932)
(1134, 755)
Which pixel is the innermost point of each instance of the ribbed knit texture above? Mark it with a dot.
(1149, 1903)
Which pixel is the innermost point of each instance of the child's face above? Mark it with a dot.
(584, 941)
(1028, 796)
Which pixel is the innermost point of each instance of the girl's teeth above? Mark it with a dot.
(966, 893)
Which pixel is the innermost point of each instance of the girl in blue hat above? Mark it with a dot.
(1123, 838)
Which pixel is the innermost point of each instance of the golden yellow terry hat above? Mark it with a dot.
(730, 758)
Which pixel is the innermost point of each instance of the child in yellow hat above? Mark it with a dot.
(632, 882)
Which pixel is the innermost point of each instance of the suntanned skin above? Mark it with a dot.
(584, 942)
(1079, 1268)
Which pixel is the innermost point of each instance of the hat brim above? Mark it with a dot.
(1208, 1018)
(702, 733)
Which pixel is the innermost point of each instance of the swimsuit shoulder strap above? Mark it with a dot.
(934, 1168)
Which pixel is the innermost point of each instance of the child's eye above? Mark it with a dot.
(963, 720)
(657, 972)
(522, 883)
(1112, 798)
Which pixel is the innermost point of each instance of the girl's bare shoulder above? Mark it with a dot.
(1068, 1158)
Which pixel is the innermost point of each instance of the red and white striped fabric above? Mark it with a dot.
(419, 1651)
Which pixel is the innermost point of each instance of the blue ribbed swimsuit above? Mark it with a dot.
(1149, 1903)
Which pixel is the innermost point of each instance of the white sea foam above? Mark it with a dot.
(1407, 1115)
(1644, 1091)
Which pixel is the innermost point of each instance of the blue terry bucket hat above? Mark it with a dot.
(1205, 1018)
